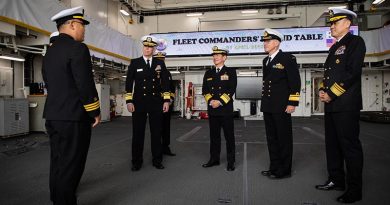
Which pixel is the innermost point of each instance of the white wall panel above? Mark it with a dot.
(18, 81)
(18, 76)
(116, 86)
(313, 13)
(304, 108)
(96, 9)
(372, 90)
(6, 86)
(112, 14)
(67, 3)
(38, 69)
(5, 63)
(386, 90)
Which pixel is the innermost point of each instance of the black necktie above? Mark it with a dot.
(148, 63)
(269, 60)
(218, 70)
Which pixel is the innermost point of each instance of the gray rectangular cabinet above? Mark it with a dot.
(14, 117)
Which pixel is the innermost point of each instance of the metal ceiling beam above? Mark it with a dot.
(132, 5)
(231, 7)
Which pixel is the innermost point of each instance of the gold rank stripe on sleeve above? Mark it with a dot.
(167, 96)
(129, 96)
(225, 97)
(293, 98)
(207, 97)
(172, 95)
(337, 89)
(92, 106)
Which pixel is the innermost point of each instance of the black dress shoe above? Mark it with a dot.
(329, 185)
(169, 153)
(210, 164)
(230, 167)
(349, 197)
(279, 176)
(136, 167)
(266, 173)
(158, 165)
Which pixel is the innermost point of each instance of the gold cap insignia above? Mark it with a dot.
(331, 13)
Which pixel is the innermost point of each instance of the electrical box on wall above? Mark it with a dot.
(140, 19)
(6, 81)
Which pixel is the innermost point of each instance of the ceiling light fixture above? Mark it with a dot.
(11, 57)
(337, 7)
(377, 2)
(250, 11)
(247, 73)
(124, 12)
(194, 14)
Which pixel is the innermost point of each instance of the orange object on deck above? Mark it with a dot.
(190, 95)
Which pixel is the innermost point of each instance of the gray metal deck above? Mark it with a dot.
(24, 168)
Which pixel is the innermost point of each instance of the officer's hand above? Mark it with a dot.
(130, 107)
(327, 98)
(211, 103)
(166, 107)
(97, 121)
(290, 109)
(321, 95)
(215, 103)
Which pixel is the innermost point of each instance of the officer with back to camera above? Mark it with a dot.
(72, 105)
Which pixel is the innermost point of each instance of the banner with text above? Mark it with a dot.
(315, 39)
